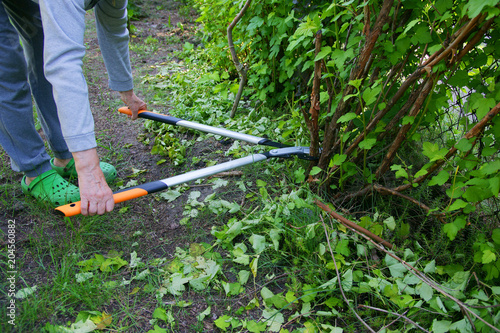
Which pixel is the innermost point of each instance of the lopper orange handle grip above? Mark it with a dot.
(74, 208)
(127, 111)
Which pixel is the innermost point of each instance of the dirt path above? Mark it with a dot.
(121, 141)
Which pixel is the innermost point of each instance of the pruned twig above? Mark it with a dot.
(340, 282)
(353, 225)
(394, 314)
(422, 277)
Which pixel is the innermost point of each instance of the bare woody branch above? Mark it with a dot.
(353, 225)
(312, 117)
(242, 70)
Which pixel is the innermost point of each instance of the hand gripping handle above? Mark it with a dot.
(75, 208)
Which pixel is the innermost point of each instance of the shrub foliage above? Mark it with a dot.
(396, 95)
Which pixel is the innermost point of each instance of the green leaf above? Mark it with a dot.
(299, 175)
(176, 285)
(232, 289)
(396, 268)
(443, 5)
(432, 151)
(223, 322)
(274, 319)
(410, 25)
(475, 7)
(422, 35)
(441, 178)
(490, 167)
(495, 235)
(315, 170)
(274, 234)
(367, 144)
(219, 183)
(421, 172)
(199, 283)
(323, 96)
(457, 204)
(430, 267)
(347, 97)
(441, 326)
(347, 117)
(390, 223)
(408, 120)
(243, 276)
(459, 79)
(290, 297)
(488, 256)
(234, 230)
(82, 327)
(461, 326)
(477, 193)
(309, 293)
(258, 242)
(261, 183)
(339, 159)
(343, 247)
(450, 230)
(254, 265)
(255, 22)
(404, 230)
(85, 315)
(240, 257)
(82, 277)
(483, 106)
(25, 292)
(256, 327)
(339, 58)
(160, 313)
(464, 145)
(326, 50)
(400, 172)
(370, 94)
(295, 42)
(347, 280)
(425, 291)
(356, 83)
(112, 264)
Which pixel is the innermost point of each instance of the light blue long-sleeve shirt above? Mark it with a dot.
(64, 25)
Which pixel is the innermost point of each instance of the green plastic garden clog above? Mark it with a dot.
(52, 188)
(69, 171)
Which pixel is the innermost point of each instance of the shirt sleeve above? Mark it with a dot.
(113, 36)
(64, 26)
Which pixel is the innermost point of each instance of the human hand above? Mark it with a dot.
(133, 102)
(95, 195)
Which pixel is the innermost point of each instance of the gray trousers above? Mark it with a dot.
(21, 77)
